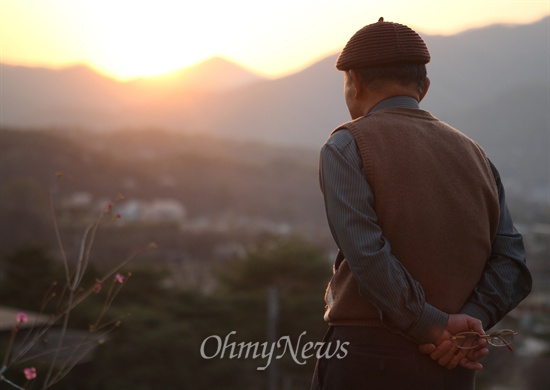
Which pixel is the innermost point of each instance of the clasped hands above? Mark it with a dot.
(446, 352)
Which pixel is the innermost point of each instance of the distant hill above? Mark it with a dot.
(483, 63)
(213, 75)
(210, 176)
(80, 97)
(492, 83)
(222, 98)
(467, 71)
(33, 97)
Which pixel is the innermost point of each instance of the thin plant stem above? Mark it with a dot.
(86, 255)
(70, 296)
(76, 281)
(76, 277)
(108, 302)
(74, 359)
(48, 296)
(60, 343)
(10, 344)
(27, 346)
(59, 242)
(4, 379)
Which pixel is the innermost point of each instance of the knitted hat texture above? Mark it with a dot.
(383, 43)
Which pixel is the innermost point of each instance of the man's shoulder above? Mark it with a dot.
(341, 143)
(340, 138)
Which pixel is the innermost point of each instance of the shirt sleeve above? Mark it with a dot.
(506, 281)
(382, 279)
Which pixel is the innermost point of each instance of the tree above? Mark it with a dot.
(299, 271)
(295, 266)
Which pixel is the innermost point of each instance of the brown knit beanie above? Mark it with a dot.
(383, 43)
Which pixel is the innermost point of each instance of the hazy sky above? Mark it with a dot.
(127, 39)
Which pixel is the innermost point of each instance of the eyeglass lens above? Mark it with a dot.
(467, 340)
(498, 339)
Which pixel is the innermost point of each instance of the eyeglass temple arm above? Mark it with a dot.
(503, 341)
(507, 345)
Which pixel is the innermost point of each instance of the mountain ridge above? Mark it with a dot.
(489, 82)
(74, 95)
(479, 66)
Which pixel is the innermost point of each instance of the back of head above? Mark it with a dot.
(386, 51)
(383, 43)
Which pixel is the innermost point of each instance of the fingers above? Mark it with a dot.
(426, 348)
(463, 323)
(456, 359)
(475, 325)
(446, 354)
(471, 365)
(453, 357)
(445, 351)
(441, 350)
(471, 360)
(477, 354)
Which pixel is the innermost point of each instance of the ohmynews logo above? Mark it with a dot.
(300, 353)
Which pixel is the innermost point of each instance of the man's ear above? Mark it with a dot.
(357, 83)
(425, 90)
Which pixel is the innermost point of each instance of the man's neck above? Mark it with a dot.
(397, 101)
(375, 97)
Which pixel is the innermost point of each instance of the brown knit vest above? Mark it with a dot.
(437, 204)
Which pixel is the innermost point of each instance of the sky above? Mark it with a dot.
(126, 39)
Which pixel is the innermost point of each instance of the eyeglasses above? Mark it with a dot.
(498, 338)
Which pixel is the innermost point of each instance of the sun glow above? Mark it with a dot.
(142, 39)
(127, 39)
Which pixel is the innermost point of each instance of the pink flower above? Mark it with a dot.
(22, 318)
(30, 373)
(119, 278)
(98, 286)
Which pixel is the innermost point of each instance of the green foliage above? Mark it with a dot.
(294, 265)
(27, 274)
(158, 345)
(159, 341)
(24, 214)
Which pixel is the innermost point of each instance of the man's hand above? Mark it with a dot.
(445, 351)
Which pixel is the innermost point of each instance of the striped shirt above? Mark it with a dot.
(398, 297)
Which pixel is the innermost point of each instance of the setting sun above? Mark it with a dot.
(134, 41)
(125, 39)
(142, 39)
(130, 39)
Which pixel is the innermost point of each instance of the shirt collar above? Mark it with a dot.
(397, 101)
